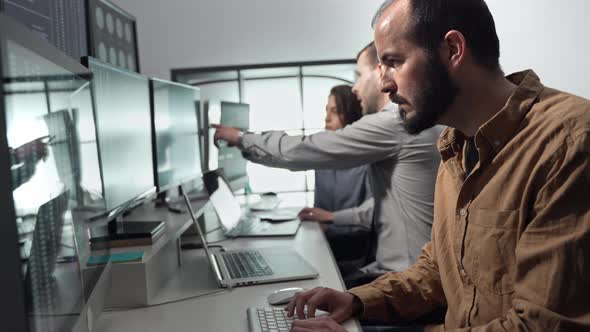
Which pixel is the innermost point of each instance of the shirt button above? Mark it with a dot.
(463, 212)
(497, 143)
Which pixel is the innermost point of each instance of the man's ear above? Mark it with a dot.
(379, 69)
(454, 49)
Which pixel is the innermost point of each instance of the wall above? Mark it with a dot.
(197, 33)
(545, 35)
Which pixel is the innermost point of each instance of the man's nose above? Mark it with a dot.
(388, 84)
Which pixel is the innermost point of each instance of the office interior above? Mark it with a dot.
(95, 161)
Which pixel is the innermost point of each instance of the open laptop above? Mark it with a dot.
(236, 222)
(253, 266)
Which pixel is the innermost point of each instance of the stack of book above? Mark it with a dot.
(128, 234)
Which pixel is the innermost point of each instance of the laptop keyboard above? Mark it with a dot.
(246, 264)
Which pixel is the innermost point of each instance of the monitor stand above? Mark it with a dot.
(163, 201)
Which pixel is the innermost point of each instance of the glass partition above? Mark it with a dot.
(45, 170)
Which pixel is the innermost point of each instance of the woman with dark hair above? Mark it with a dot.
(338, 189)
(343, 108)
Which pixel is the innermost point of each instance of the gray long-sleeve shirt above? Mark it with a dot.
(402, 174)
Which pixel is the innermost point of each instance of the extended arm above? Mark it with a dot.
(373, 138)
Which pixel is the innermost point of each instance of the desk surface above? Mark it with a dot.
(224, 311)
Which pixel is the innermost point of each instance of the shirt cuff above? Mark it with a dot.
(344, 217)
(241, 135)
(373, 301)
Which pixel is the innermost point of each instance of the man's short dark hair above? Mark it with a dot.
(371, 53)
(432, 19)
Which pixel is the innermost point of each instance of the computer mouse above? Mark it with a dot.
(283, 296)
(269, 194)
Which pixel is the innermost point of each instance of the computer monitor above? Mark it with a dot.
(36, 80)
(121, 101)
(112, 34)
(229, 159)
(175, 133)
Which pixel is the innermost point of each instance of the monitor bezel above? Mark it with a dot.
(12, 284)
(173, 184)
(11, 281)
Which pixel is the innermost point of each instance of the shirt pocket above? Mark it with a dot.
(492, 242)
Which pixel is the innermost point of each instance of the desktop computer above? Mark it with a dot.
(121, 101)
(43, 288)
(175, 134)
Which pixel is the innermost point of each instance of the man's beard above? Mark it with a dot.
(432, 99)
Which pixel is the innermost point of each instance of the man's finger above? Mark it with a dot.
(312, 304)
(216, 140)
(312, 324)
(303, 212)
(216, 126)
(300, 304)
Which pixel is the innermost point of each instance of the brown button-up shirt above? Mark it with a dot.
(511, 242)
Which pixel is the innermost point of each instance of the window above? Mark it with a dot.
(290, 97)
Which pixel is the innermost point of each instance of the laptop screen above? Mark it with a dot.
(224, 202)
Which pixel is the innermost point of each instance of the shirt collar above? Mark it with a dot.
(498, 130)
(390, 107)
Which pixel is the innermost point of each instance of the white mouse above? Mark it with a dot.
(284, 295)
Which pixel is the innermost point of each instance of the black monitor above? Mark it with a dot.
(229, 159)
(175, 133)
(36, 82)
(121, 101)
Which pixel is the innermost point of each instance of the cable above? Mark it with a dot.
(57, 315)
(219, 241)
(213, 230)
(218, 291)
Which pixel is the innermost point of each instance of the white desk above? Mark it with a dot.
(224, 311)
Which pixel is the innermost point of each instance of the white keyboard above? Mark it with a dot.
(272, 319)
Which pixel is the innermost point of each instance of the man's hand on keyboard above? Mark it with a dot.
(340, 305)
(326, 324)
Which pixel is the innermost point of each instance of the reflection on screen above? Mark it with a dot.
(177, 140)
(122, 110)
(45, 172)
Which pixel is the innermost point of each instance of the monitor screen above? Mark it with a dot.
(235, 115)
(176, 148)
(123, 129)
(112, 35)
(42, 224)
(57, 21)
(230, 159)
